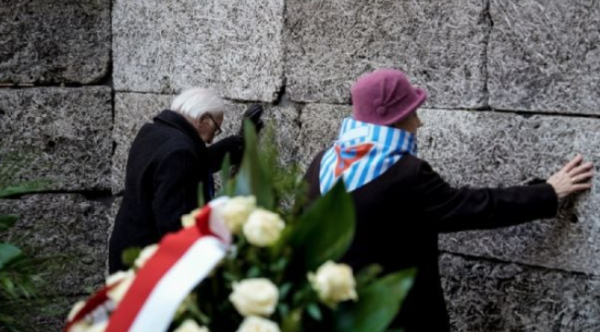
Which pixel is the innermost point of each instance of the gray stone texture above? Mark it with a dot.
(111, 215)
(544, 56)
(66, 131)
(45, 42)
(41, 315)
(132, 110)
(67, 233)
(233, 46)
(483, 149)
(440, 44)
(320, 127)
(284, 120)
(495, 297)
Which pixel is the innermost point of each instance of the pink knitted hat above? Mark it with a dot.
(385, 97)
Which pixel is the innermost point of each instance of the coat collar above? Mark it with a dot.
(180, 123)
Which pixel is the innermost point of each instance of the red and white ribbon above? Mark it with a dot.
(183, 260)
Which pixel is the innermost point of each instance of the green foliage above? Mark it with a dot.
(378, 304)
(326, 230)
(253, 177)
(17, 281)
(129, 255)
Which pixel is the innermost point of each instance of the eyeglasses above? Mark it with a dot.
(218, 129)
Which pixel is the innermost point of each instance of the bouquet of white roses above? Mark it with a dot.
(241, 264)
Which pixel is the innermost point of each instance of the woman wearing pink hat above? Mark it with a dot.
(376, 157)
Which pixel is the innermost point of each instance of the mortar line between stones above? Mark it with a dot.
(541, 113)
(526, 114)
(532, 266)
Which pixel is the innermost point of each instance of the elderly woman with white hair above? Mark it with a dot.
(168, 160)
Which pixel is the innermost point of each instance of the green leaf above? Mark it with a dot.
(24, 188)
(7, 221)
(326, 230)
(368, 274)
(201, 200)
(284, 290)
(253, 272)
(378, 304)
(226, 185)
(314, 311)
(129, 255)
(253, 177)
(292, 322)
(8, 253)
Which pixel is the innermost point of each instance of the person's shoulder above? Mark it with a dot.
(312, 172)
(316, 160)
(411, 163)
(409, 168)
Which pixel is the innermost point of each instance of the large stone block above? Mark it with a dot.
(440, 44)
(54, 41)
(67, 233)
(64, 131)
(492, 297)
(132, 110)
(233, 46)
(544, 56)
(320, 125)
(482, 149)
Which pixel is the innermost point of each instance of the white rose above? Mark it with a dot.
(254, 297)
(334, 283)
(80, 327)
(126, 279)
(190, 326)
(263, 228)
(189, 220)
(235, 212)
(75, 310)
(145, 255)
(257, 324)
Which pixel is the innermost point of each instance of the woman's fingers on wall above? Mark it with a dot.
(574, 162)
(583, 177)
(583, 168)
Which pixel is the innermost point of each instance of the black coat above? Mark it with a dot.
(400, 214)
(166, 163)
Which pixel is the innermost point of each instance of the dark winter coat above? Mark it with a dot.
(401, 213)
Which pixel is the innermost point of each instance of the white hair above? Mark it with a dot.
(197, 101)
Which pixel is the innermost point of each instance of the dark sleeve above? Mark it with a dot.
(467, 209)
(175, 190)
(232, 145)
(311, 178)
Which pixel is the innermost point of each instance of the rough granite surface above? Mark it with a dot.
(440, 44)
(64, 133)
(485, 149)
(68, 233)
(496, 297)
(232, 46)
(52, 42)
(544, 56)
(320, 127)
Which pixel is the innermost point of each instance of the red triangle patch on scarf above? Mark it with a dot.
(347, 157)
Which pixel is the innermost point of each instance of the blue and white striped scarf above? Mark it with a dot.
(362, 153)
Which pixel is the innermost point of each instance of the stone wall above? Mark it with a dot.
(513, 94)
